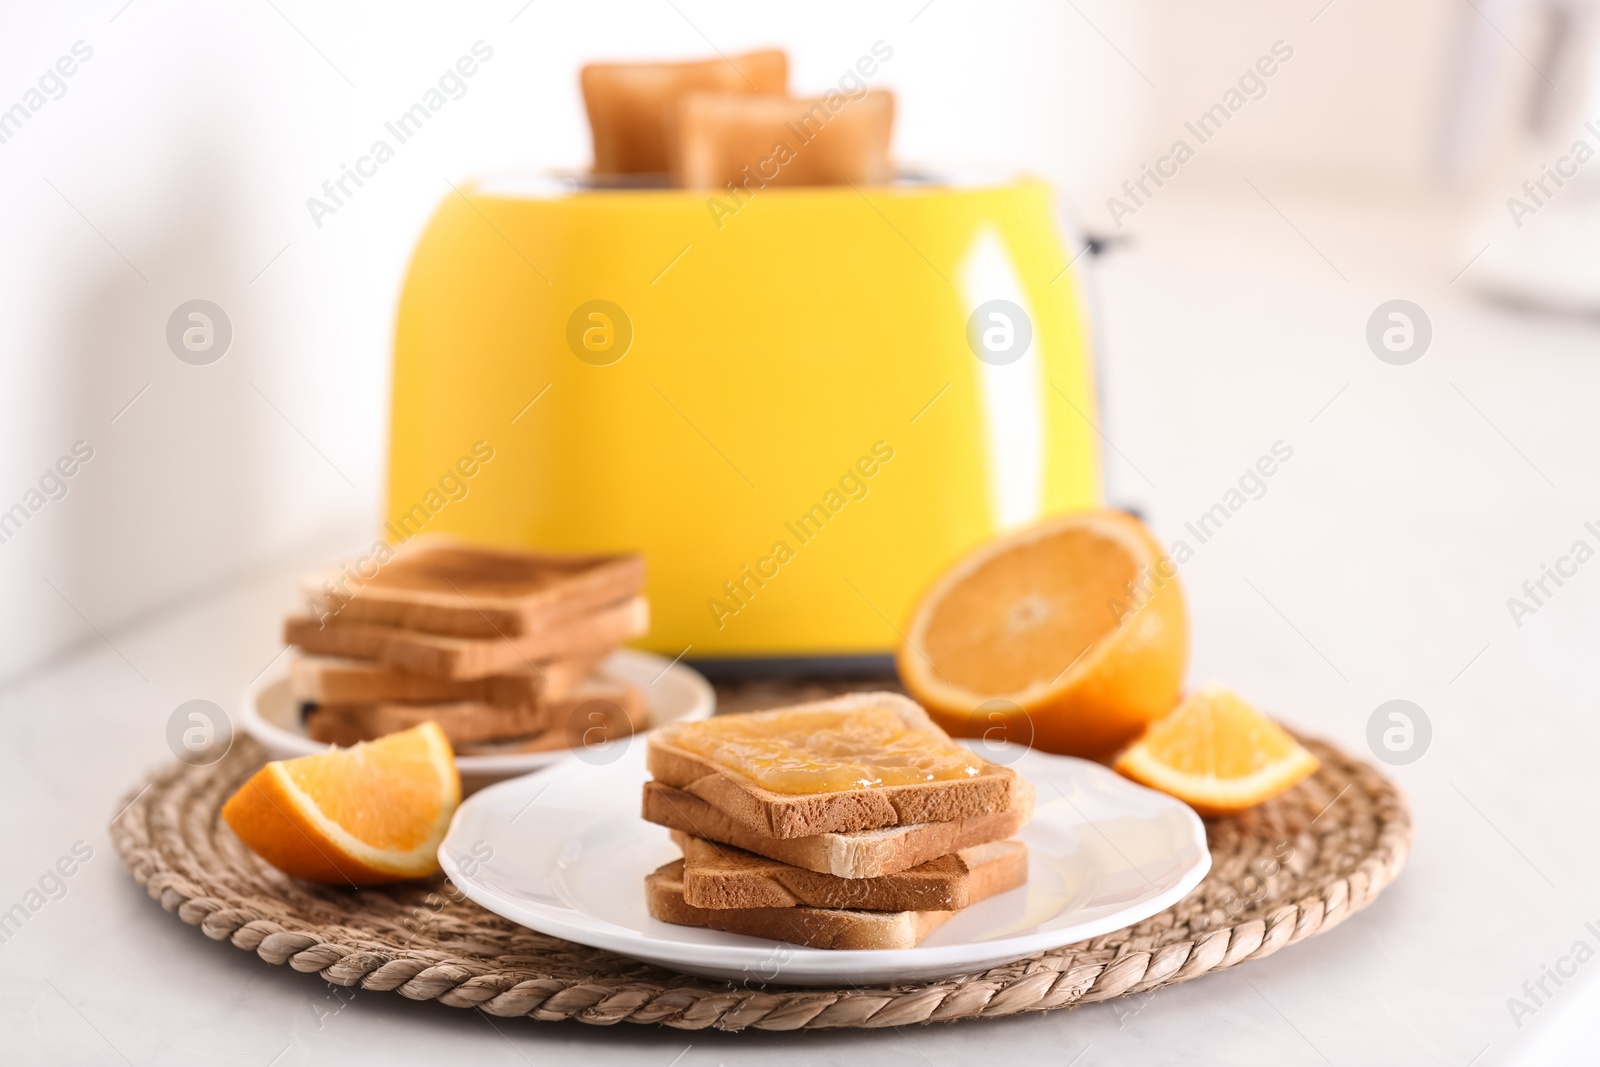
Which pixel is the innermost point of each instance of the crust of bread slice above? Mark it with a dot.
(862, 854)
(836, 928)
(339, 680)
(721, 876)
(787, 815)
(633, 107)
(440, 585)
(719, 133)
(462, 722)
(599, 710)
(460, 658)
(812, 927)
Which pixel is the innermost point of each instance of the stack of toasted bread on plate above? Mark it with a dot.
(499, 647)
(851, 823)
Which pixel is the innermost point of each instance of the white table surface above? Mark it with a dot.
(1376, 566)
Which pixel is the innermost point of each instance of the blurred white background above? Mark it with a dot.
(177, 161)
(1376, 165)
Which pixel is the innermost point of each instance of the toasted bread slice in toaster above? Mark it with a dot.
(633, 106)
(756, 141)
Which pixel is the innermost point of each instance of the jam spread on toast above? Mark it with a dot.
(828, 750)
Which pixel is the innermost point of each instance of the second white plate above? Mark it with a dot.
(675, 693)
(566, 852)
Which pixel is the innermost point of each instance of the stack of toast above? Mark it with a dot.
(868, 866)
(499, 647)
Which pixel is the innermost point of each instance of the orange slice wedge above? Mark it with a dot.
(1217, 754)
(1068, 635)
(365, 815)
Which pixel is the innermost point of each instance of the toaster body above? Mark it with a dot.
(799, 403)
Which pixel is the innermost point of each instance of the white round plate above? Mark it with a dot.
(566, 853)
(676, 693)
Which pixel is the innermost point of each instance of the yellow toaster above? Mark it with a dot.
(799, 403)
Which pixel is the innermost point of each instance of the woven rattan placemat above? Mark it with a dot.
(1288, 870)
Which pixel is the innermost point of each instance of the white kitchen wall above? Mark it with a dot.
(175, 163)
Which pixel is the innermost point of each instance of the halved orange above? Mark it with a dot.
(364, 815)
(1069, 635)
(1217, 754)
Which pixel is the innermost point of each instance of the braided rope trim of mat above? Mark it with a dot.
(1285, 871)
